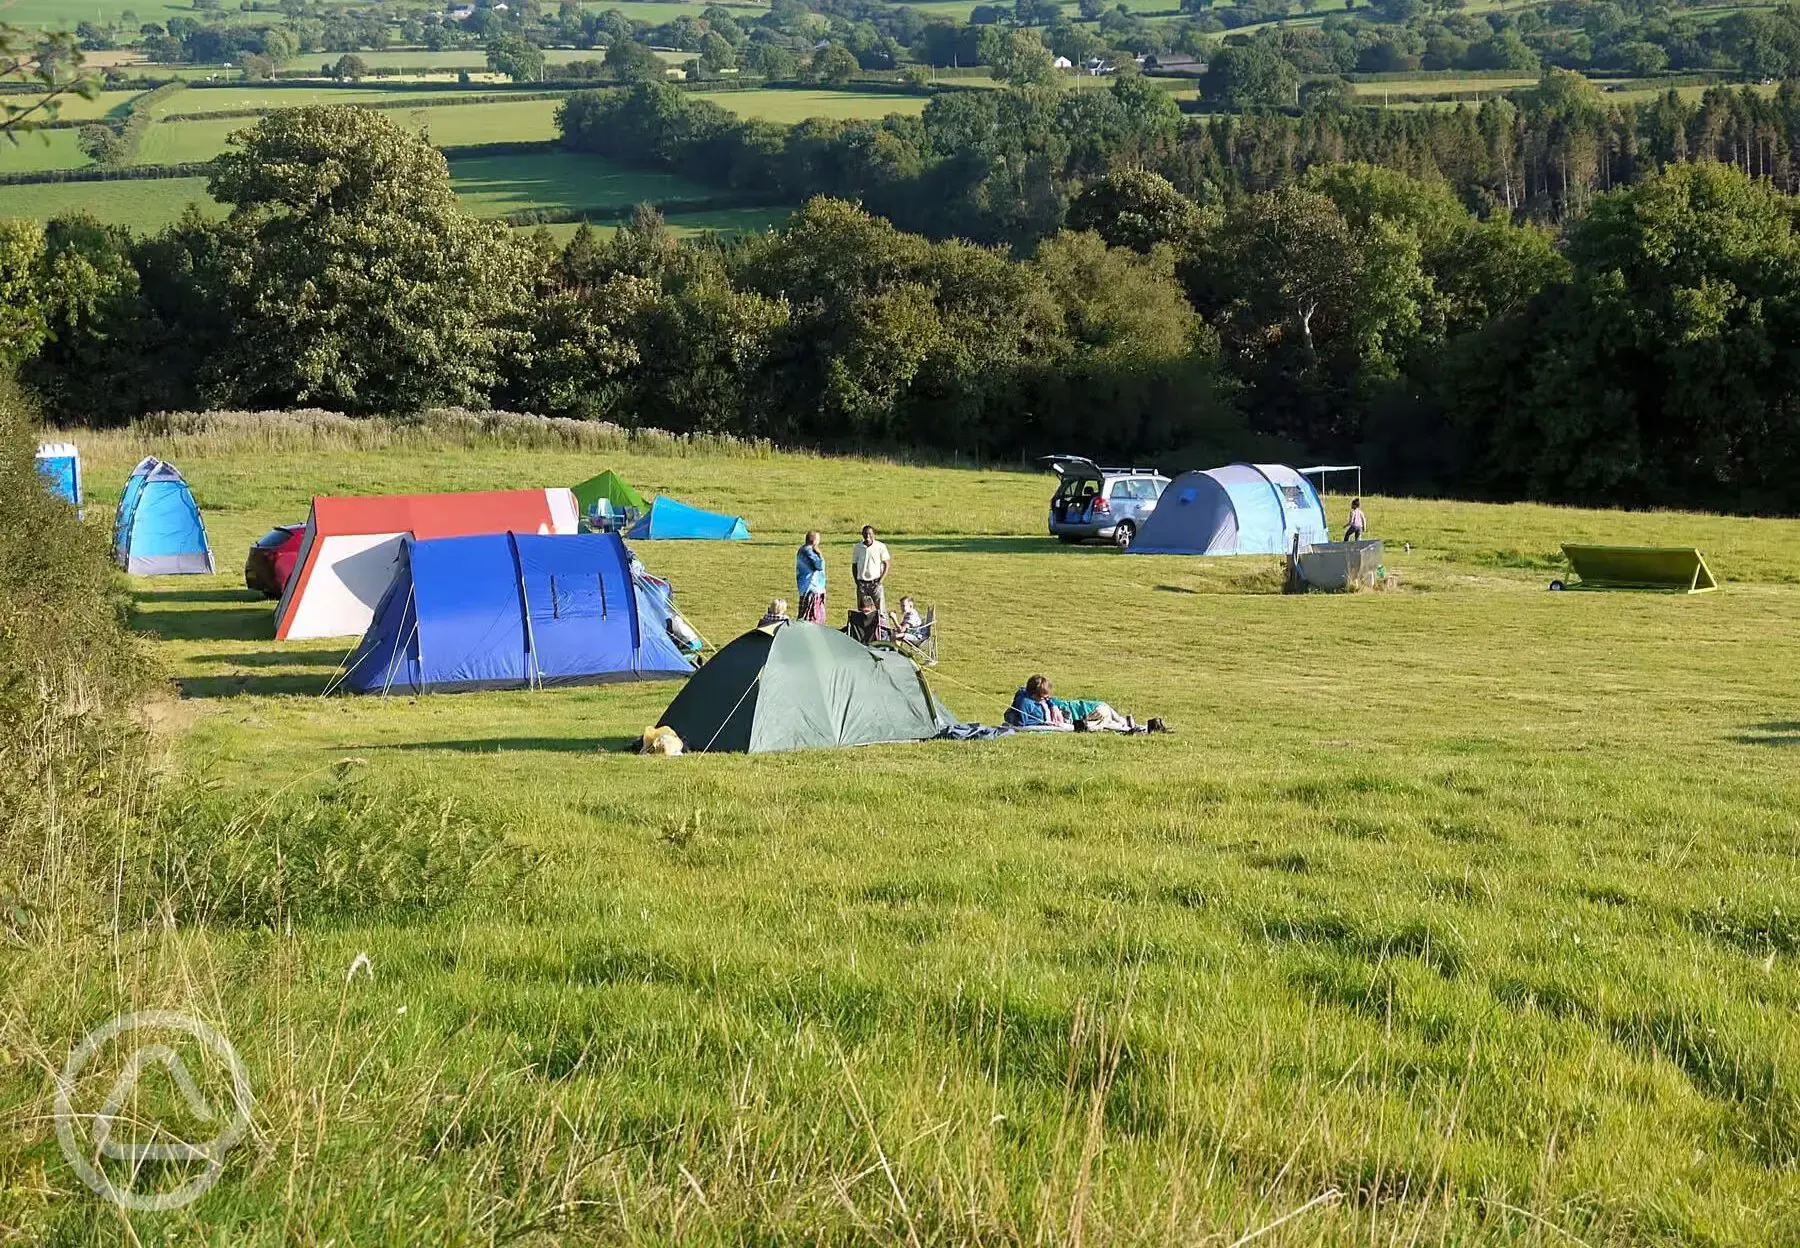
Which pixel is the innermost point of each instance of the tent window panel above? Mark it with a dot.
(1296, 497)
(570, 597)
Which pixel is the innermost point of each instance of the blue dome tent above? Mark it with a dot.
(157, 530)
(668, 519)
(513, 611)
(1240, 509)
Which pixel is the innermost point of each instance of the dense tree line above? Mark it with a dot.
(991, 166)
(1000, 166)
(1648, 358)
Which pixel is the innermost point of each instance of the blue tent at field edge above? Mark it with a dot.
(514, 611)
(1240, 509)
(157, 529)
(672, 520)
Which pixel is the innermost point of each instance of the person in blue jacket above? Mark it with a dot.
(1035, 707)
(809, 579)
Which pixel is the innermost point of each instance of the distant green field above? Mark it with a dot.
(64, 14)
(792, 106)
(223, 99)
(490, 186)
(511, 121)
(503, 122)
(1637, 93)
(44, 149)
(667, 10)
(145, 205)
(1398, 88)
(75, 108)
(688, 224)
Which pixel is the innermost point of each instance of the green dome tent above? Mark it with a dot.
(801, 686)
(611, 486)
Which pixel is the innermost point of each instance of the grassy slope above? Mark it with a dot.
(492, 185)
(504, 122)
(792, 106)
(1469, 899)
(219, 99)
(687, 224)
(146, 206)
(45, 149)
(488, 185)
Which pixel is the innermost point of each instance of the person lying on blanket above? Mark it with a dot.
(1037, 708)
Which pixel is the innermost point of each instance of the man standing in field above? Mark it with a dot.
(869, 564)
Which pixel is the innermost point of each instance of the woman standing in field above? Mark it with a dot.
(809, 579)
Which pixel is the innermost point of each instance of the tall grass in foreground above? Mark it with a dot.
(73, 755)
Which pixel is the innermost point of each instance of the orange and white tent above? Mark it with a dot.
(349, 551)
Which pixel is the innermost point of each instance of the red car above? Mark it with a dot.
(271, 559)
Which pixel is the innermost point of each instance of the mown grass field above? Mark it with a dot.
(146, 205)
(1399, 88)
(1459, 913)
(42, 150)
(221, 99)
(688, 224)
(64, 14)
(71, 107)
(490, 186)
(505, 122)
(792, 106)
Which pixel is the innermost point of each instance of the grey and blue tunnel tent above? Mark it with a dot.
(513, 611)
(803, 686)
(1240, 509)
(157, 530)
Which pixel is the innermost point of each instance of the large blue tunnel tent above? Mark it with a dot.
(513, 611)
(1240, 509)
(157, 529)
(669, 519)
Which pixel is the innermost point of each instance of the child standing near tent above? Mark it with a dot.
(1359, 523)
(809, 579)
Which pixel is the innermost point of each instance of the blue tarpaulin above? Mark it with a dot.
(512, 611)
(669, 519)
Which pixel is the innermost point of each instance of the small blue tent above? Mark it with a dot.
(60, 462)
(1240, 509)
(513, 611)
(668, 519)
(157, 530)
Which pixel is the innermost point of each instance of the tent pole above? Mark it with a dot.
(532, 680)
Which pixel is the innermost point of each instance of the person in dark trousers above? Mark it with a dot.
(869, 564)
(1359, 523)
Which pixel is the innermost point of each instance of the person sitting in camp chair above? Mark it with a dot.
(1035, 707)
(915, 635)
(776, 614)
(864, 623)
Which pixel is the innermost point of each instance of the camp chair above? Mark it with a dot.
(919, 644)
(601, 518)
